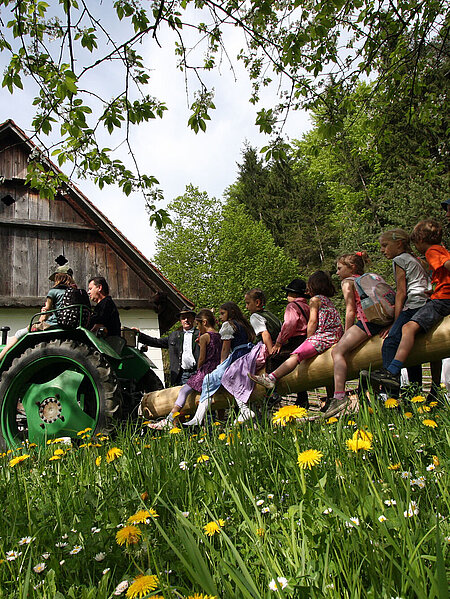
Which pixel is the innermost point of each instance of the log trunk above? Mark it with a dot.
(316, 372)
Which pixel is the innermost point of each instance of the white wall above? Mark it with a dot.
(145, 320)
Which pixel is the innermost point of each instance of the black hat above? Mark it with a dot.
(445, 204)
(186, 310)
(297, 286)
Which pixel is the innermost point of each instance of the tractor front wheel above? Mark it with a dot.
(56, 389)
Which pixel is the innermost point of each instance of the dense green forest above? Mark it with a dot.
(370, 162)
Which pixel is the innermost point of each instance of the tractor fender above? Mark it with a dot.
(78, 334)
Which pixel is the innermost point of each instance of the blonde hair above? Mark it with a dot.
(398, 235)
(356, 261)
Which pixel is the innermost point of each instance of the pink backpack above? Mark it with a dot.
(377, 299)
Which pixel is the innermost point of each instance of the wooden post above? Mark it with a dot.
(316, 372)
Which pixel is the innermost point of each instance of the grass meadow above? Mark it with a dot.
(355, 507)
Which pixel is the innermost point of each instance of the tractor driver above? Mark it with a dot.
(105, 314)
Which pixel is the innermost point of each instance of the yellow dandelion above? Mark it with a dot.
(18, 459)
(222, 437)
(142, 586)
(363, 434)
(54, 458)
(202, 458)
(408, 415)
(212, 527)
(113, 453)
(423, 409)
(418, 399)
(370, 410)
(260, 532)
(430, 423)
(175, 430)
(58, 452)
(332, 420)
(216, 423)
(351, 423)
(436, 461)
(201, 596)
(433, 404)
(394, 466)
(98, 460)
(358, 444)
(129, 535)
(391, 402)
(175, 414)
(84, 431)
(288, 413)
(309, 458)
(142, 516)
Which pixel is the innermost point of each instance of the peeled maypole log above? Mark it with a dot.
(316, 372)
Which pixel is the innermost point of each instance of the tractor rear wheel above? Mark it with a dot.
(56, 389)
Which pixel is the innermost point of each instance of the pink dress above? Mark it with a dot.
(329, 327)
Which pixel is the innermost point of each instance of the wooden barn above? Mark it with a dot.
(37, 234)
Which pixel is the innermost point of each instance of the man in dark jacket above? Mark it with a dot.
(105, 314)
(182, 346)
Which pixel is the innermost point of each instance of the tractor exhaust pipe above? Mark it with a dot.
(4, 331)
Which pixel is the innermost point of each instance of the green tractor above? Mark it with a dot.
(57, 382)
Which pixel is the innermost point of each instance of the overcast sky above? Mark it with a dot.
(166, 148)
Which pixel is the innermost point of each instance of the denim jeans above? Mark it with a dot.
(394, 337)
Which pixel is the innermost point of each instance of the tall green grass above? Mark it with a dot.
(336, 530)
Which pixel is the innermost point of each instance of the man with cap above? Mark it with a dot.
(293, 331)
(183, 349)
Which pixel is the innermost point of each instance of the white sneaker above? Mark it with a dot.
(160, 425)
(263, 379)
(244, 415)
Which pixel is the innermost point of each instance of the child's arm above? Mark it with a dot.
(203, 341)
(350, 303)
(267, 340)
(46, 308)
(314, 306)
(400, 295)
(226, 348)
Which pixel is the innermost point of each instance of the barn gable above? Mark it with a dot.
(34, 232)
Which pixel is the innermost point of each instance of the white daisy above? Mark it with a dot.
(25, 540)
(99, 557)
(38, 568)
(121, 587)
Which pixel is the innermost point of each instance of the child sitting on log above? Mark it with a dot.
(237, 336)
(267, 327)
(209, 358)
(324, 329)
(426, 236)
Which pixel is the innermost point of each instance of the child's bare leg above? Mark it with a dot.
(353, 337)
(285, 368)
(409, 332)
(8, 346)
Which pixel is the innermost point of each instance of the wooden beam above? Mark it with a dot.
(38, 302)
(45, 224)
